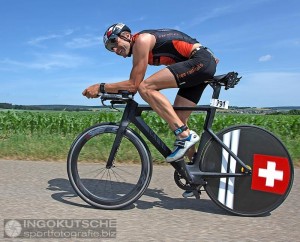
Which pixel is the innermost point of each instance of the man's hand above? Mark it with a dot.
(92, 91)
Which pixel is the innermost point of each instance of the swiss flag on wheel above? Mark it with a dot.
(270, 174)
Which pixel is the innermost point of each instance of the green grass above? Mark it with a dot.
(35, 147)
(49, 135)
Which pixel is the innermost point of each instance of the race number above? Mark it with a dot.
(219, 103)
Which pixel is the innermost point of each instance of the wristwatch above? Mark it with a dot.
(101, 88)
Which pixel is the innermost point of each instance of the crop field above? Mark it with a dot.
(48, 135)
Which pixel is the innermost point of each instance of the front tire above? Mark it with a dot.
(115, 187)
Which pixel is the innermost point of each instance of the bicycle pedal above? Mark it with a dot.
(187, 194)
(197, 194)
(192, 193)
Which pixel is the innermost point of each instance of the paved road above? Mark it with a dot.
(41, 190)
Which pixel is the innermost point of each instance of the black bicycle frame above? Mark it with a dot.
(192, 173)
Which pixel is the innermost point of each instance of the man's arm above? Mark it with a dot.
(140, 50)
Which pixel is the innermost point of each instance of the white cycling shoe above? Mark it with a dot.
(182, 145)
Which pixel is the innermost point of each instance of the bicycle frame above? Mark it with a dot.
(226, 178)
(192, 173)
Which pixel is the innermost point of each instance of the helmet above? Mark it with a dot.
(111, 34)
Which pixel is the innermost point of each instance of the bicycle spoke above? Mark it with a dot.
(117, 175)
(87, 173)
(124, 170)
(109, 187)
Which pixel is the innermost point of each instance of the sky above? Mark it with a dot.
(51, 50)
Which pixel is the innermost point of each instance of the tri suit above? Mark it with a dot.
(190, 68)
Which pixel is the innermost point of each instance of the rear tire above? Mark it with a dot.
(272, 171)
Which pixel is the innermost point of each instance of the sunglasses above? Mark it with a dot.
(111, 42)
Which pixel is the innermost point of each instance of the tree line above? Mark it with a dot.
(45, 107)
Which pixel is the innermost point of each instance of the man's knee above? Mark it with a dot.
(142, 87)
(145, 89)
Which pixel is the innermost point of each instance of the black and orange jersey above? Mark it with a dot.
(171, 46)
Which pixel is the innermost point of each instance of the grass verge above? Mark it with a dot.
(56, 147)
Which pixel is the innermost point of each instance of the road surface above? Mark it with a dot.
(41, 190)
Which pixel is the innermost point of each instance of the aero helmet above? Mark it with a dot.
(111, 34)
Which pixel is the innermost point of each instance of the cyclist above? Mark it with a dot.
(188, 63)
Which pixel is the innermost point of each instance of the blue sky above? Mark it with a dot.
(51, 50)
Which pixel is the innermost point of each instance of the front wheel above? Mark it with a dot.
(272, 173)
(114, 187)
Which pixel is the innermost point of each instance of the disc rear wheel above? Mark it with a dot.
(272, 171)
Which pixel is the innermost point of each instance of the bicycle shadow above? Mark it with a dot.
(64, 193)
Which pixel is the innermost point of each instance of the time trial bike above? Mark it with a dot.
(244, 169)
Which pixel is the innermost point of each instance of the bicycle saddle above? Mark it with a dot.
(228, 80)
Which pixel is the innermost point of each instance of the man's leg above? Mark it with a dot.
(149, 91)
(184, 116)
(183, 102)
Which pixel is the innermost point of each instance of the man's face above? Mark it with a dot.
(122, 47)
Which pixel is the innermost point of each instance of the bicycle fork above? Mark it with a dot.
(121, 130)
(115, 146)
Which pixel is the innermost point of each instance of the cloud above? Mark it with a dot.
(265, 89)
(235, 6)
(214, 13)
(75, 43)
(287, 43)
(265, 58)
(46, 62)
(40, 39)
(86, 42)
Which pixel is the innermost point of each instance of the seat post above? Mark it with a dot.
(211, 113)
(217, 88)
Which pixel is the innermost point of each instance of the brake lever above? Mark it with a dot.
(103, 104)
(112, 103)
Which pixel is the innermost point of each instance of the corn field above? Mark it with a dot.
(75, 122)
(61, 124)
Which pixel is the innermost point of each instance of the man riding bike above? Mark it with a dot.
(189, 65)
